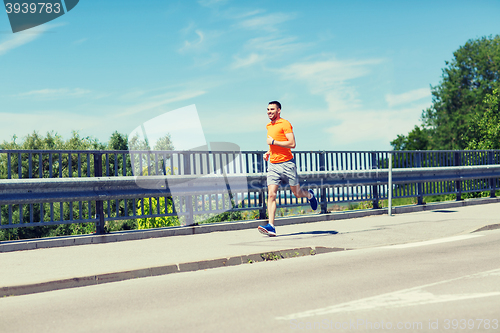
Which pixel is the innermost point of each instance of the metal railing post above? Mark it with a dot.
(99, 205)
(458, 183)
(262, 191)
(492, 180)
(375, 187)
(389, 186)
(420, 194)
(188, 199)
(324, 198)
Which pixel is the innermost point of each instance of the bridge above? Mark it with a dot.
(334, 268)
(453, 240)
(50, 187)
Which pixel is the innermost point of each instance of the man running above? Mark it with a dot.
(282, 168)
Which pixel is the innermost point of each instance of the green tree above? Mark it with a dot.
(35, 141)
(142, 159)
(52, 141)
(417, 139)
(164, 143)
(473, 73)
(485, 128)
(118, 141)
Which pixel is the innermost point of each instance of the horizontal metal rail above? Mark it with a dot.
(26, 191)
(400, 176)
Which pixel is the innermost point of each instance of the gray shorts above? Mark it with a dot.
(284, 173)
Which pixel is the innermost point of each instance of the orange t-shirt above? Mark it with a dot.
(277, 131)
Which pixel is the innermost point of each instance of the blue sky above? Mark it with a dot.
(350, 75)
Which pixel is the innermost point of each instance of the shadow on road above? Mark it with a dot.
(317, 232)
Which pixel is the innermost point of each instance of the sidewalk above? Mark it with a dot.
(31, 271)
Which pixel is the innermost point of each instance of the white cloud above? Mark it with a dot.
(322, 76)
(83, 118)
(161, 100)
(341, 98)
(55, 93)
(273, 45)
(267, 22)
(221, 122)
(24, 37)
(80, 41)
(211, 3)
(193, 43)
(18, 40)
(407, 97)
(197, 41)
(134, 94)
(46, 121)
(355, 125)
(258, 49)
(330, 79)
(372, 127)
(182, 124)
(245, 62)
(246, 14)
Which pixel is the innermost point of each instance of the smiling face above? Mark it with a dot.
(273, 112)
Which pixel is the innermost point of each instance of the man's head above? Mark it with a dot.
(274, 110)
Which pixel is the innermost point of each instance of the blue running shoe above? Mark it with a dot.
(313, 201)
(267, 230)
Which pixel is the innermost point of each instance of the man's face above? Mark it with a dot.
(273, 112)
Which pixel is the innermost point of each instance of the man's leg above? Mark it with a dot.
(272, 190)
(300, 193)
(293, 179)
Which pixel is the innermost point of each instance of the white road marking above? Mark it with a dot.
(431, 242)
(401, 298)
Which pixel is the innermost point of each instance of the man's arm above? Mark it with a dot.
(290, 143)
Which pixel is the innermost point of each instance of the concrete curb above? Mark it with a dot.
(33, 244)
(488, 227)
(161, 270)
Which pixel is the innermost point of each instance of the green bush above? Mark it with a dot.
(156, 206)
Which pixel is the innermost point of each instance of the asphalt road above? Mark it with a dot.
(445, 285)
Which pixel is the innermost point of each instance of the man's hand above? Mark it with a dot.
(266, 155)
(269, 140)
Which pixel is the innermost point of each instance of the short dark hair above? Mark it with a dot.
(278, 104)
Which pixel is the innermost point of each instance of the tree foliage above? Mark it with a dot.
(52, 141)
(163, 143)
(118, 141)
(417, 139)
(472, 74)
(485, 128)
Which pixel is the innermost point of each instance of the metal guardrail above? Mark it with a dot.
(46, 187)
(39, 191)
(26, 191)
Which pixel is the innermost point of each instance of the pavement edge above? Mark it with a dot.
(162, 270)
